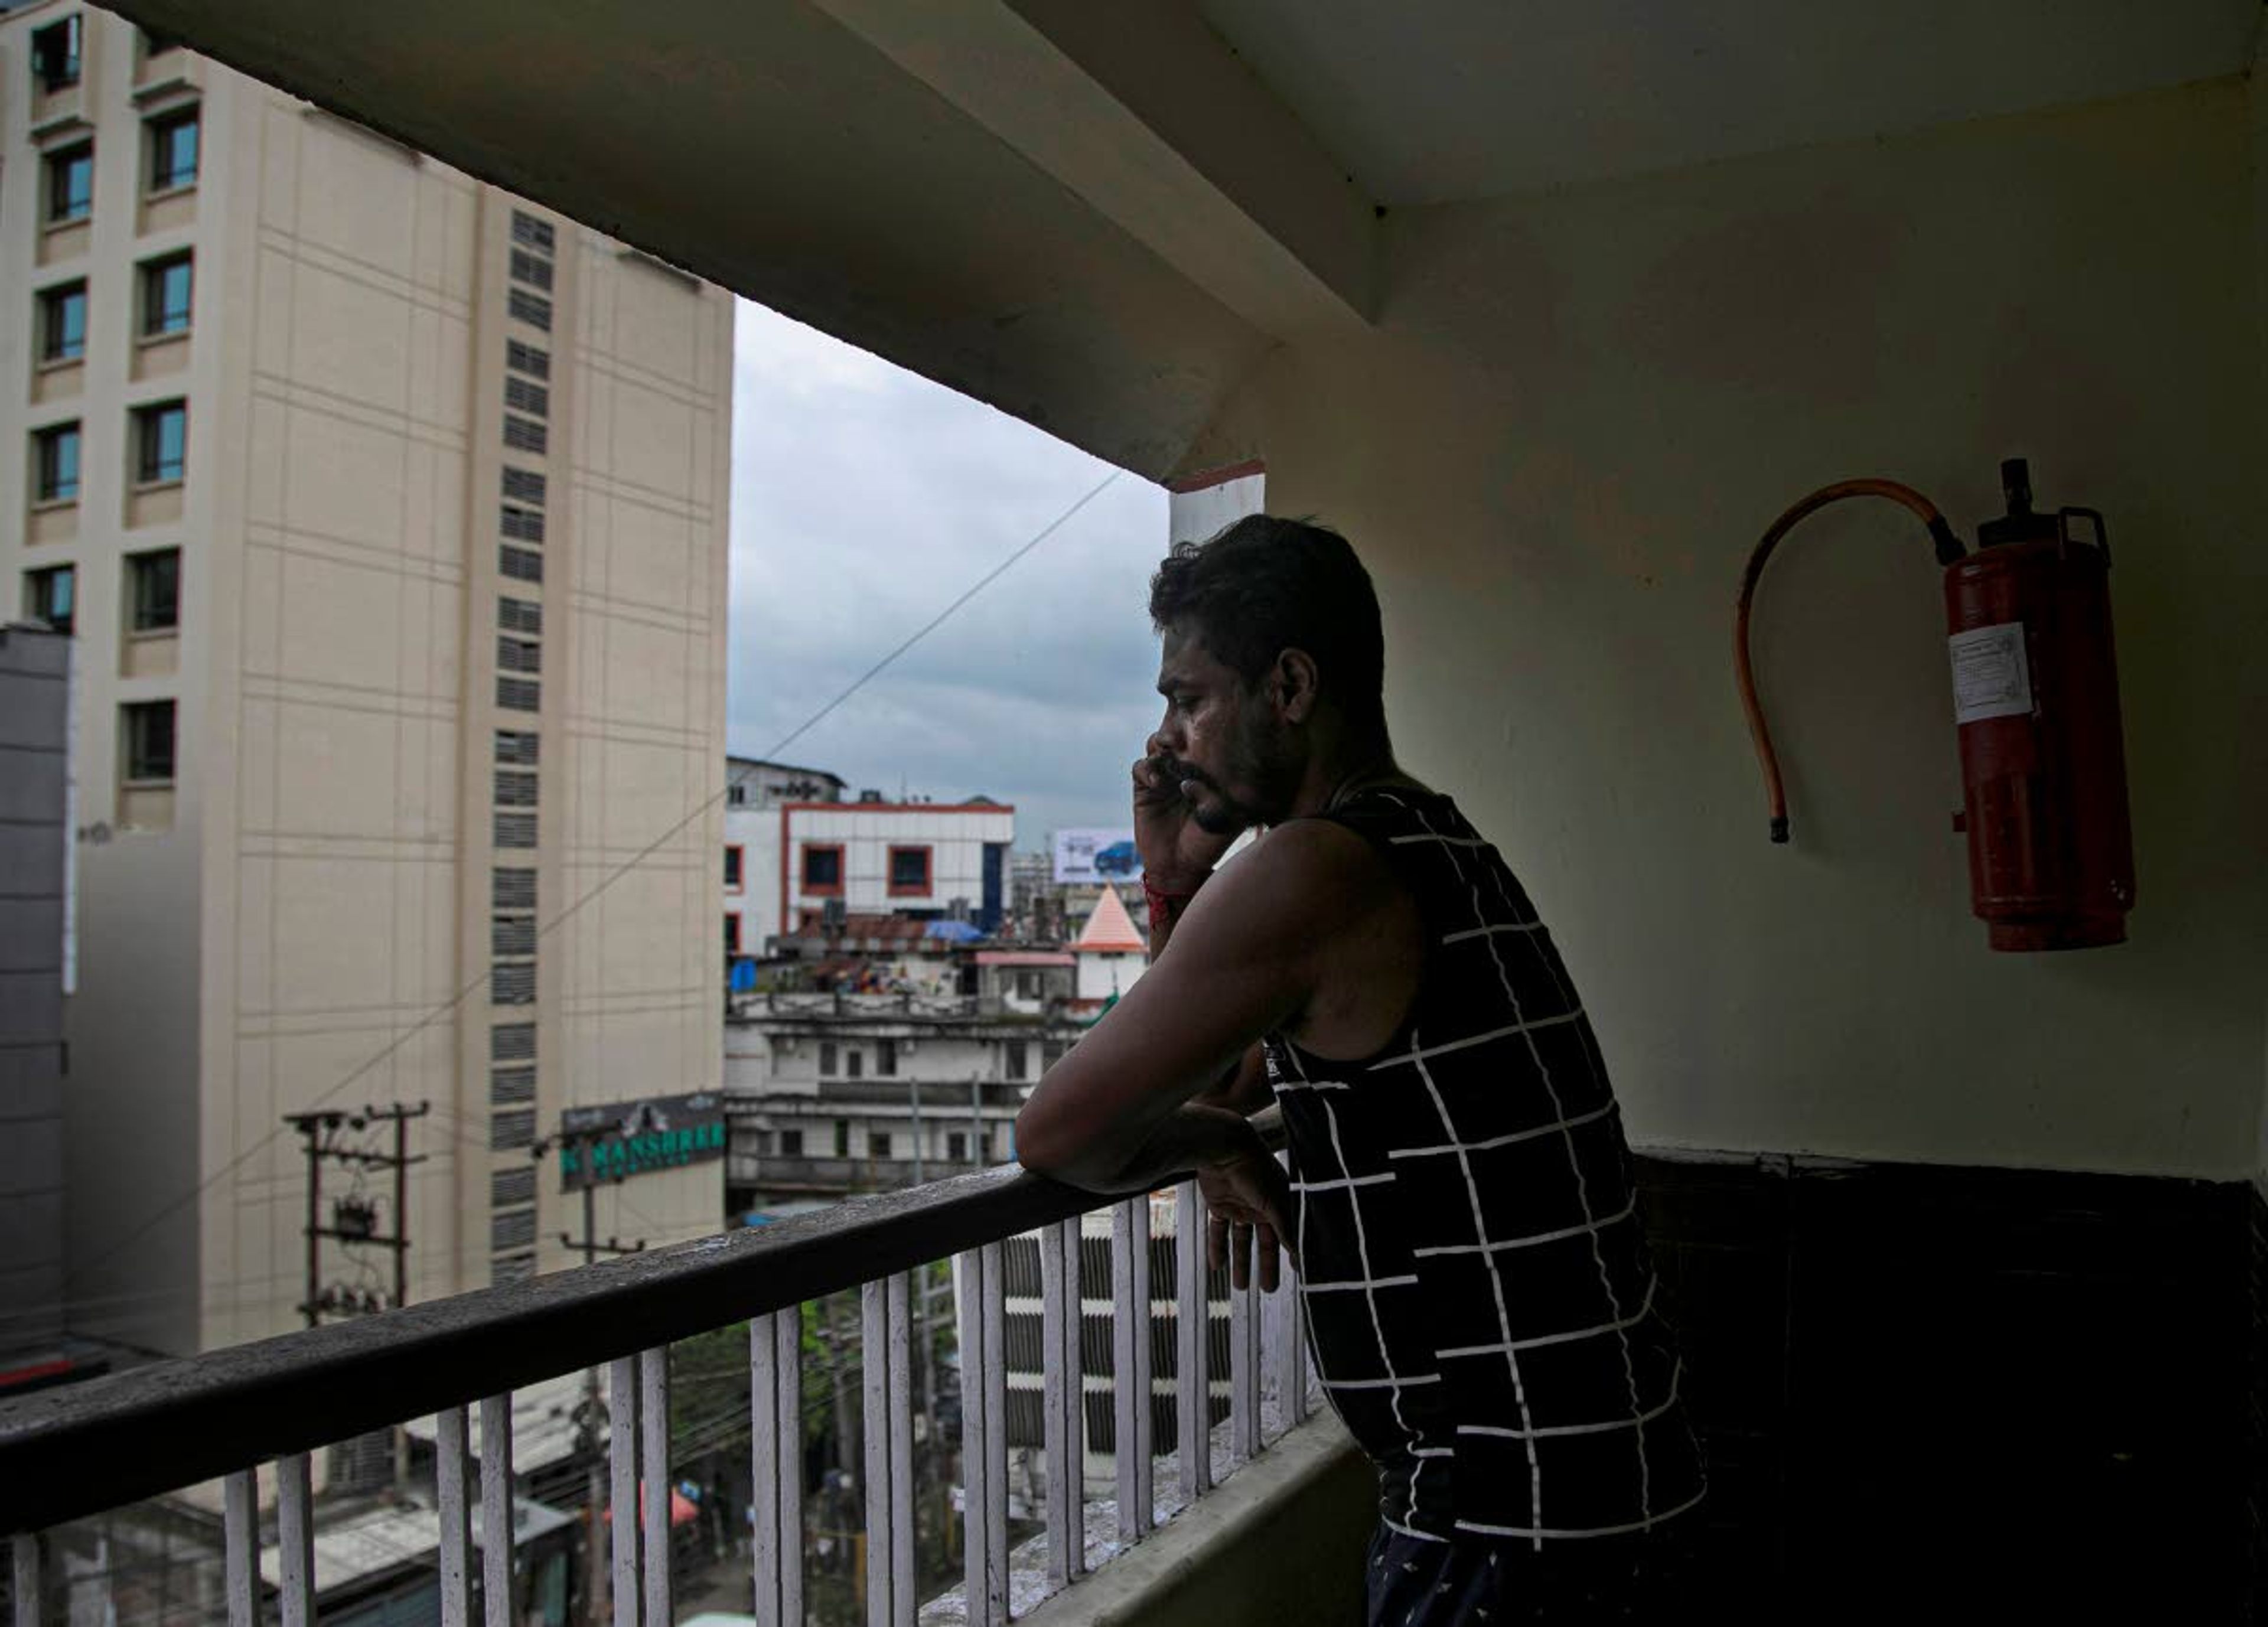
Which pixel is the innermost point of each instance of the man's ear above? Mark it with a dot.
(1293, 682)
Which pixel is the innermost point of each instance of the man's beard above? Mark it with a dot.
(1253, 759)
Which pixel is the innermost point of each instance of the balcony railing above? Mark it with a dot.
(71, 1454)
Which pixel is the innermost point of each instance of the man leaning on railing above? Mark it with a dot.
(1459, 1206)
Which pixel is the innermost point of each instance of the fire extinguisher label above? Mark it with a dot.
(1990, 676)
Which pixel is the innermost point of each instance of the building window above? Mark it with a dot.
(886, 1059)
(146, 729)
(154, 591)
(518, 748)
(173, 150)
(516, 1185)
(842, 1137)
(909, 870)
(71, 184)
(524, 486)
(519, 655)
(155, 44)
(525, 434)
(525, 395)
(736, 795)
(512, 1041)
(62, 322)
(515, 790)
(791, 1143)
(530, 359)
(166, 288)
(956, 1147)
(161, 443)
(56, 55)
(877, 1144)
(822, 869)
(534, 232)
(54, 463)
(515, 830)
(511, 888)
(522, 525)
(827, 1054)
(513, 984)
(532, 269)
(530, 308)
(732, 934)
(732, 868)
(511, 935)
(854, 1063)
(51, 596)
(511, 1229)
(521, 565)
(519, 695)
(512, 1131)
(519, 615)
(1014, 1058)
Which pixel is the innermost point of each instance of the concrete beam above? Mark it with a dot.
(772, 150)
(1146, 113)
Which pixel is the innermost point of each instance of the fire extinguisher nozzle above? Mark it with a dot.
(1780, 829)
(1949, 551)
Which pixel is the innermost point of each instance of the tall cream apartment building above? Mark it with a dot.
(389, 513)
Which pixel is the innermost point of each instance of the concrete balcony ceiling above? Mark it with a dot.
(1100, 218)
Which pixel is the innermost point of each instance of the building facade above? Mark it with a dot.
(828, 1094)
(389, 514)
(34, 888)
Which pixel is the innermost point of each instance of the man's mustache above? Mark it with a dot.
(1181, 773)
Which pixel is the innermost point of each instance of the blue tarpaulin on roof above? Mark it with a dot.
(952, 931)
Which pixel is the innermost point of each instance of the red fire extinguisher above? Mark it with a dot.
(2035, 702)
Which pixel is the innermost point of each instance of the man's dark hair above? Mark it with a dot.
(1264, 585)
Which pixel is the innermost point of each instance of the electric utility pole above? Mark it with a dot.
(354, 1217)
(590, 1416)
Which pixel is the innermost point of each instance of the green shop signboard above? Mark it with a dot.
(638, 1137)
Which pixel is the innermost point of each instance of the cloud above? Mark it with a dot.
(865, 498)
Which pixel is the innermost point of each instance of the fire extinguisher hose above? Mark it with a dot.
(1948, 550)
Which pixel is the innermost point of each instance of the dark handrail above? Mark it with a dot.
(74, 1451)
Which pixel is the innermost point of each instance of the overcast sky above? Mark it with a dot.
(865, 500)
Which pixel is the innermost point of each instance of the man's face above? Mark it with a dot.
(1236, 758)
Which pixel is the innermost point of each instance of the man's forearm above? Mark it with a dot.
(1192, 1135)
(1166, 905)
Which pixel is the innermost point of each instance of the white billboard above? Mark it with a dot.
(1096, 854)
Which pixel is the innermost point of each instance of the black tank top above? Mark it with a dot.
(1474, 1270)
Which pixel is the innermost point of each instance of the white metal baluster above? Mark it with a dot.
(1145, 1388)
(240, 1546)
(976, 1427)
(1289, 1356)
(26, 1578)
(1061, 1434)
(653, 1442)
(294, 1538)
(500, 1597)
(994, 1306)
(1192, 1393)
(767, 1467)
(622, 1466)
(874, 1373)
(1128, 1396)
(449, 1483)
(787, 1370)
(1244, 1366)
(901, 1453)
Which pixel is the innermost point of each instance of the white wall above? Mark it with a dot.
(1577, 413)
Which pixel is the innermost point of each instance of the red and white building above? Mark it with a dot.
(785, 863)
